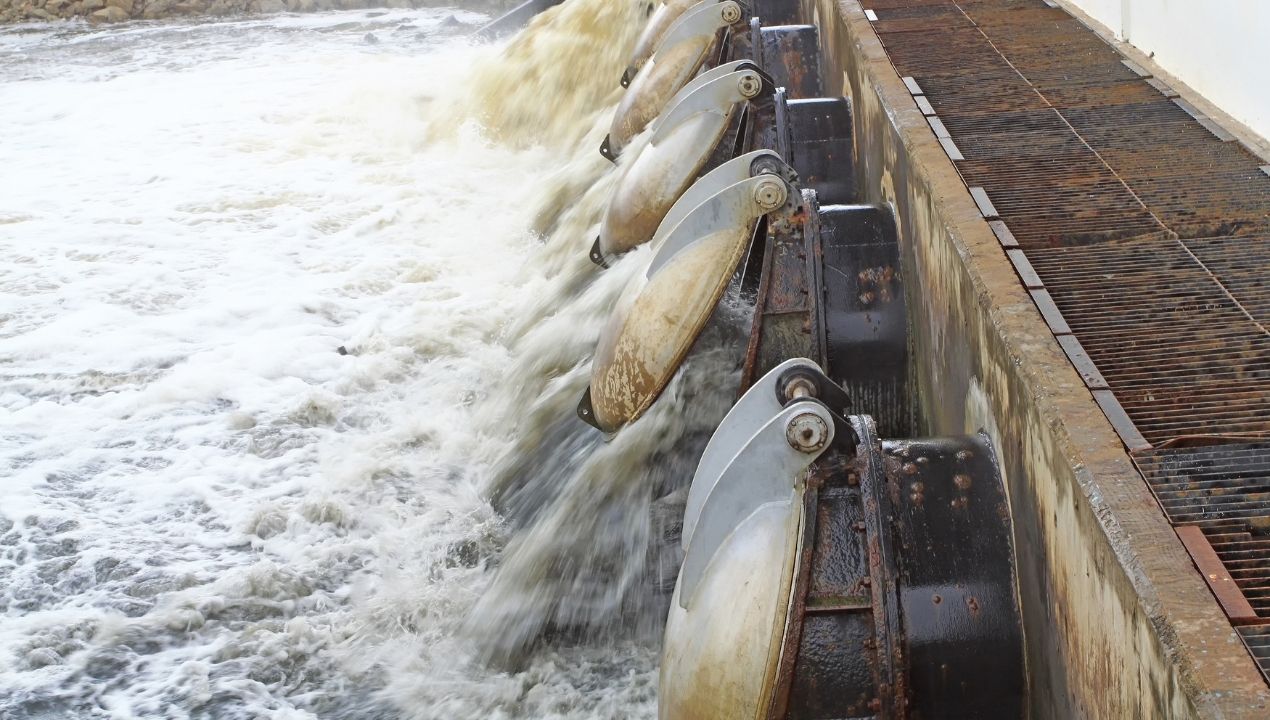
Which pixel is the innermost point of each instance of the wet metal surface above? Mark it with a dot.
(866, 322)
(816, 134)
(790, 54)
(1125, 626)
(962, 635)
(905, 604)
(776, 12)
(821, 146)
(699, 133)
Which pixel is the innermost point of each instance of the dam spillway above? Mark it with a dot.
(994, 292)
(1127, 231)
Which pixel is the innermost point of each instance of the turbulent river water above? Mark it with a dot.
(294, 314)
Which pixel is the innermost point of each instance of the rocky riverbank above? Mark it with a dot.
(13, 11)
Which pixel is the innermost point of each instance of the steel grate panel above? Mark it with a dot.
(1177, 351)
(1225, 491)
(1081, 158)
(1257, 638)
(1240, 263)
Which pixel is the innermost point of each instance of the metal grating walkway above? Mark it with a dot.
(1219, 497)
(1258, 641)
(1142, 230)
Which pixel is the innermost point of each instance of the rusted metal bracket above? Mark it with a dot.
(785, 313)
(785, 268)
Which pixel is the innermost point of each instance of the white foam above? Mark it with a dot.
(208, 511)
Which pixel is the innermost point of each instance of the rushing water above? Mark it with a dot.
(294, 313)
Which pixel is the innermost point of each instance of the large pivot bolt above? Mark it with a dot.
(731, 12)
(769, 194)
(796, 386)
(749, 85)
(807, 432)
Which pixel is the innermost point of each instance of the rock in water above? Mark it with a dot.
(110, 14)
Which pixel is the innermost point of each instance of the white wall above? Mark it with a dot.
(1221, 48)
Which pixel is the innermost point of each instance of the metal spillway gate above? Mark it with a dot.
(828, 573)
(833, 574)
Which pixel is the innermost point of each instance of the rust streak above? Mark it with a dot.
(1219, 580)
